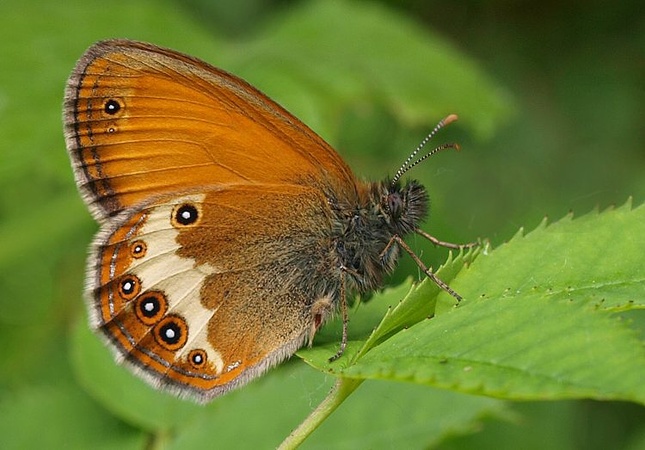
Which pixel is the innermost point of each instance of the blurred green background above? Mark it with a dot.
(551, 97)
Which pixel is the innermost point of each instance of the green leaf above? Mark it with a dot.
(535, 322)
(507, 348)
(597, 258)
(415, 306)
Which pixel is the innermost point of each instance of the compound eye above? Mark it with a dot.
(394, 204)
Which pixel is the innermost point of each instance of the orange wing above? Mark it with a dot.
(142, 121)
(235, 310)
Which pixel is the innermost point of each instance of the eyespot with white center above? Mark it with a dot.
(171, 332)
(129, 287)
(112, 106)
(186, 214)
(138, 249)
(150, 307)
(197, 358)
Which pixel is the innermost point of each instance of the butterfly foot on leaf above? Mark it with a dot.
(339, 353)
(440, 243)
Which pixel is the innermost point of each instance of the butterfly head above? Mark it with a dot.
(402, 206)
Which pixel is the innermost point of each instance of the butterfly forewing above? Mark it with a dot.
(142, 121)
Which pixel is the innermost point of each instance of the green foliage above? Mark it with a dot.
(538, 320)
(552, 315)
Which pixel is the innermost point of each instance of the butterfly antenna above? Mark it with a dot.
(407, 164)
(435, 150)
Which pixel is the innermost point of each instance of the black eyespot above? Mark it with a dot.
(151, 307)
(129, 287)
(197, 358)
(112, 107)
(186, 214)
(171, 333)
(138, 249)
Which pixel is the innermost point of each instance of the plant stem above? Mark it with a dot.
(341, 390)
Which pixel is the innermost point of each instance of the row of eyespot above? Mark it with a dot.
(170, 331)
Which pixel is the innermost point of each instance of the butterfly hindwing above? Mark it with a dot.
(201, 309)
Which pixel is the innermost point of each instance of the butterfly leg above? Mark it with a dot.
(436, 241)
(428, 272)
(343, 310)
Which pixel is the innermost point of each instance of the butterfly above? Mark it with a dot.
(229, 231)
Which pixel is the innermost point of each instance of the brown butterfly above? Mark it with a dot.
(229, 230)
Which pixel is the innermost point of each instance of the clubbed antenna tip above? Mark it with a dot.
(408, 164)
(450, 118)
